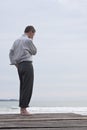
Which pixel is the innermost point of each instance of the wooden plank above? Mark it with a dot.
(42, 116)
(85, 128)
(18, 118)
(43, 122)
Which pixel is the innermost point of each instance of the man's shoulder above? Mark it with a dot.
(22, 39)
(16, 41)
(25, 38)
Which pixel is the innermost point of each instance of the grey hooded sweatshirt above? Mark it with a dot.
(22, 50)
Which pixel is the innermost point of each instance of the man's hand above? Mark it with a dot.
(16, 66)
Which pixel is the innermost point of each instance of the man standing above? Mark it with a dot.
(21, 56)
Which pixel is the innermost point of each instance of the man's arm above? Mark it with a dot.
(31, 47)
(11, 56)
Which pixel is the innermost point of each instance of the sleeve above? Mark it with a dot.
(11, 56)
(30, 47)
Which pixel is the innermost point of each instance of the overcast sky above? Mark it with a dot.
(61, 39)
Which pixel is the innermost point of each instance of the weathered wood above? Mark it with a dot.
(50, 129)
(43, 122)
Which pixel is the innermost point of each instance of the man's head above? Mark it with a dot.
(30, 31)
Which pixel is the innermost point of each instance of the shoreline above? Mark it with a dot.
(42, 110)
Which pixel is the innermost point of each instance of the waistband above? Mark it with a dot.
(25, 62)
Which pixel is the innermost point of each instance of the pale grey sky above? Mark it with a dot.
(61, 39)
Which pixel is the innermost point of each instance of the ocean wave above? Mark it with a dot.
(36, 110)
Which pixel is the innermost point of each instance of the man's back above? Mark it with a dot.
(22, 50)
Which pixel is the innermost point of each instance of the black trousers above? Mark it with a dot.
(26, 76)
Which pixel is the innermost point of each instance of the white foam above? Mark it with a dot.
(76, 110)
(36, 110)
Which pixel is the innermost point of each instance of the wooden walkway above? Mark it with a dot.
(57, 121)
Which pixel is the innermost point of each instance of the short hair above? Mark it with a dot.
(29, 29)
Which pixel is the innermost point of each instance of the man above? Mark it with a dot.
(21, 56)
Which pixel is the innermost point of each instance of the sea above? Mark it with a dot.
(11, 107)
